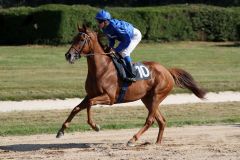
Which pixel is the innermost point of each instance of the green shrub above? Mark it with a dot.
(214, 24)
(48, 24)
(57, 24)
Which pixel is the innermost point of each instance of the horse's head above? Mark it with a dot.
(82, 44)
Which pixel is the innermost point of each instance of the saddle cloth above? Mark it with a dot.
(140, 70)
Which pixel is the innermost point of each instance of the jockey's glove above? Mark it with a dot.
(107, 49)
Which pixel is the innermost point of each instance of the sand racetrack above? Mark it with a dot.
(190, 142)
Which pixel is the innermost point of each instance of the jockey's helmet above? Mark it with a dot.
(103, 15)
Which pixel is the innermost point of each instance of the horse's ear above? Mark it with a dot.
(84, 28)
(79, 29)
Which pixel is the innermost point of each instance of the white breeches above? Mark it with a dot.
(137, 36)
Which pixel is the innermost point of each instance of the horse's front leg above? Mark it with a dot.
(84, 104)
(103, 99)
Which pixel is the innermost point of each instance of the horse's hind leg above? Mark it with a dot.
(161, 123)
(148, 123)
(160, 119)
(152, 104)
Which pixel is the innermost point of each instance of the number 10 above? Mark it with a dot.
(143, 71)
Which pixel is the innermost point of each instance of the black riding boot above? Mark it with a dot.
(130, 74)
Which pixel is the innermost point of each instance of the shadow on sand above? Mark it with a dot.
(35, 147)
(236, 125)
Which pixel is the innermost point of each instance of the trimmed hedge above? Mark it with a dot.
(49, 24)
(119, 3)
(56, 24)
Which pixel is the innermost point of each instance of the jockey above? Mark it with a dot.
(125, 33)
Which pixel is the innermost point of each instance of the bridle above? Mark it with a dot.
(82, 43)
(87, 40)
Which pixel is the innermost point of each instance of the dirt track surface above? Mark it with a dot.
(191, 142)
(53, 104)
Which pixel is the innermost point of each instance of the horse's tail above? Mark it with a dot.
(184, 80)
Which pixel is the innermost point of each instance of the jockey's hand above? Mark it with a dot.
(112, 51)
(107, 49)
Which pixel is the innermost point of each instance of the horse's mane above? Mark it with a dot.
(99, 37)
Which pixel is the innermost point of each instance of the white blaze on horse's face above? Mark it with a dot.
(72, 55)
(77, 48)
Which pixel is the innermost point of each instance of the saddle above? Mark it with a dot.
(141, 72)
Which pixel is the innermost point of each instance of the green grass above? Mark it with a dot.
(40, 72)
(38, 122)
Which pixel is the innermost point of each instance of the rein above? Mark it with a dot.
(94, 54)
(87, 39)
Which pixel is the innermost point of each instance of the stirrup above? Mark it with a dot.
(128, 79)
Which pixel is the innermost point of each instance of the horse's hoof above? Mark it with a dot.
(97, 128)
(158, 143)
(131, 144)
(60, 134)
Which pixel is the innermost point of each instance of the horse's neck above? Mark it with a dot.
(99, 63)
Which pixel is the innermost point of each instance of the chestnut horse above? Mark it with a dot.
(102, 84)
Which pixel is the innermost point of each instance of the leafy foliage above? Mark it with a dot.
(56, 24)
(132, 3)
